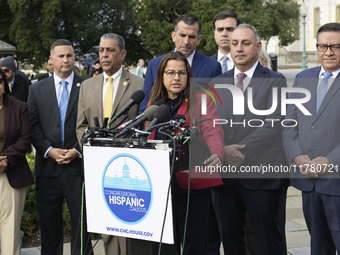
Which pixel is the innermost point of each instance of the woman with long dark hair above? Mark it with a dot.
(173, 86)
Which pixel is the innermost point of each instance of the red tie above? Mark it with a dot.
(240, 78)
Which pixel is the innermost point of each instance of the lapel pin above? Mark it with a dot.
(78, 84)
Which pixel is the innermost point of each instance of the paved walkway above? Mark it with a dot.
(296, 230)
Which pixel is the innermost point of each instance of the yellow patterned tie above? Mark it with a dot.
(108, 100)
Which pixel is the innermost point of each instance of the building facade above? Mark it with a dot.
(319, 13)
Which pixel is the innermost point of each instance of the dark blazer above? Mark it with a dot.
(202, 67)
(45, 121)
(214, 56)
(17, 139)
(315, 135)
(263, 145)
(43, 76)
(20, 88)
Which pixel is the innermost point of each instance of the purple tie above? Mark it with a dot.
(240, 78)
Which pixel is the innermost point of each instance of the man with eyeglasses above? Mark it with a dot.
(224, 23)
(19, 85)
(186, 36)
(314, 144)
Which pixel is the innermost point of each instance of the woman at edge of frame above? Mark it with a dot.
(15, 174)
(173, 86)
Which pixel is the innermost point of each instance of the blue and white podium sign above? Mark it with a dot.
(126, 191)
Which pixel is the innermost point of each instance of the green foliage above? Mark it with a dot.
(269, 17)
(146, 25)
(30, 221)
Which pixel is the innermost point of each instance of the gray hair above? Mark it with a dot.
(119, 39)
(244, 25)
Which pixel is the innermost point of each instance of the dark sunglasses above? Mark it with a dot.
(1, 80)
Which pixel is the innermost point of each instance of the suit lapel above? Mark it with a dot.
(98, 96)
(8, 114)
(311, 84)
(122, 86)
(329, 95)
(196, 63)
(51, 95)
(73, 96)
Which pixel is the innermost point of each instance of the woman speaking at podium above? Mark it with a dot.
(173, 86)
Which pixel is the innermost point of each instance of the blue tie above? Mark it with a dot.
(62, 110)
(224, 64)
(322, 90)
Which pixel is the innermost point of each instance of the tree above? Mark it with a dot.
(156, 19)
(270, 17)
(37, 23)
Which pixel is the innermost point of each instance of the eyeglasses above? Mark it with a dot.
(171, 73)
(324, 47)
(6, 70)
(1, 80)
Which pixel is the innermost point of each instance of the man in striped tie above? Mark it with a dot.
(52, 106)
(314, 144)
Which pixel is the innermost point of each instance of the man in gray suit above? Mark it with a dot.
(313, 145)
(93, 103)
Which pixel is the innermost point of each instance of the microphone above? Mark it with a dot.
(147, 115)
(178, 121)
(161, 114)
(155, 105)
(136, 98)
(151, 108)
(96, 122)
(105, 122)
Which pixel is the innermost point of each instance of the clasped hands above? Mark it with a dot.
(233, 155)
(3, 163)
(63, 156)
(312, 167)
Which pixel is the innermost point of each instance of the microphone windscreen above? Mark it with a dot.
(150, 111)
(162, 113)
(138, 96)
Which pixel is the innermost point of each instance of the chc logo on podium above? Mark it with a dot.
(127, 188)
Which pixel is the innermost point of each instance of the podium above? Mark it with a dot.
(126, 191)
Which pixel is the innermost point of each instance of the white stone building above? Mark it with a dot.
(319, 13)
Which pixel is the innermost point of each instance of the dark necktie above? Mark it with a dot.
(240, 78)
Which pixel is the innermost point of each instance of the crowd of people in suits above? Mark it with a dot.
(246, 215)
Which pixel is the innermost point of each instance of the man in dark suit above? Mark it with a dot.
(92, 103)
(49, 68)
(59, 174)
(248, 146)
(314, 144)
(187, 37)
(224, 23)
(19, 84)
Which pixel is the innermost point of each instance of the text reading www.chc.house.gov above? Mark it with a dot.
(129, 231)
